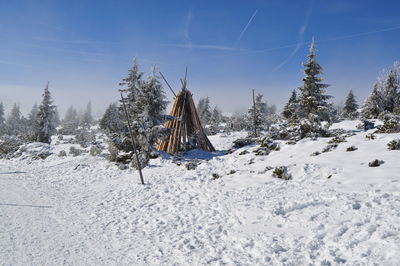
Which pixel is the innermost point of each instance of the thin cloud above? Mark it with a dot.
(361, 34)
(15, 64)
(300, 38)
(186, 32)
(83, 53)
(249, 51)
(247, 25)
(327, 40)
(73, 41)
(82, 56)
(206, 47)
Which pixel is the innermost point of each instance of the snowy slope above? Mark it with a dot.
(84, 211)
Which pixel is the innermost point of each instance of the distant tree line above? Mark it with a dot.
(43, 121)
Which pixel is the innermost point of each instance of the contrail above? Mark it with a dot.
(206, 47)
(296, 49)
(247, 25)
(301, 42)
(300, 39)
(361, 34)
(186, 33)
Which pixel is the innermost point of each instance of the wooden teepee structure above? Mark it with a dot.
(186, 126)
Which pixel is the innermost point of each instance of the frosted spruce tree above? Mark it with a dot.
(119, 139)
(391, 90)
(33, 114)
(70, 122)
(112, 120)
(154, 104)
(146, 103)
(350, 106)
(238, 122)
(385, 95)
(215, 120)
(314, 104)
(56, 118)
(261, 113)
(292, 107)
(45, 118)
(33, 123)
(373, 105)
(305, 112)
(14, 123)
(204, 110)
(86, 118)
(132, 85)
(2, 120)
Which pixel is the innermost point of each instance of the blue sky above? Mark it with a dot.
(84, 48)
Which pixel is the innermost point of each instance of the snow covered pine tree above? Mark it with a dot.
(32, 123)
(385, 96)
(373, 105)
(112, 120)
(215, 120)
(14, 121)
(261, 113)
(291, 108)
(391, 90)
(45, 118)
(2, 120)
(203, 108)
(313, 101)
(86, 118)
(146, 104)
(70, 122)
(306, 111)
(350, 107)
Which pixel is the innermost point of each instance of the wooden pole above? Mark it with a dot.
(254, 116)
(167, 84)
(133, 140)
(186, 77)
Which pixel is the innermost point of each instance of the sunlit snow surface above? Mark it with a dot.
(85, 211)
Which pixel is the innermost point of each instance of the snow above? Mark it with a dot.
(85, 211)
(35, 150)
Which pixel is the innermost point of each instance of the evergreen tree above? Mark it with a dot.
(56, 118)
(153, 104)
(350, 106)
(132, 85)
(146, 103)
(70, 122)
(373, 105)
(86, 119)
(261, 113)
(112, 120)
(154, 101)
(292, 107)
(215, 120)
(2, 120)
(271, 110)
(238, 122)
(33, 123)
(391, 90)
(45, 118)
(33, 114)
(313, 101)
(14, 123)
(203, 108)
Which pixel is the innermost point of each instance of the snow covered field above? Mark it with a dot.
(85, 211)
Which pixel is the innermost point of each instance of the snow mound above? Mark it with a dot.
(36, 150)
